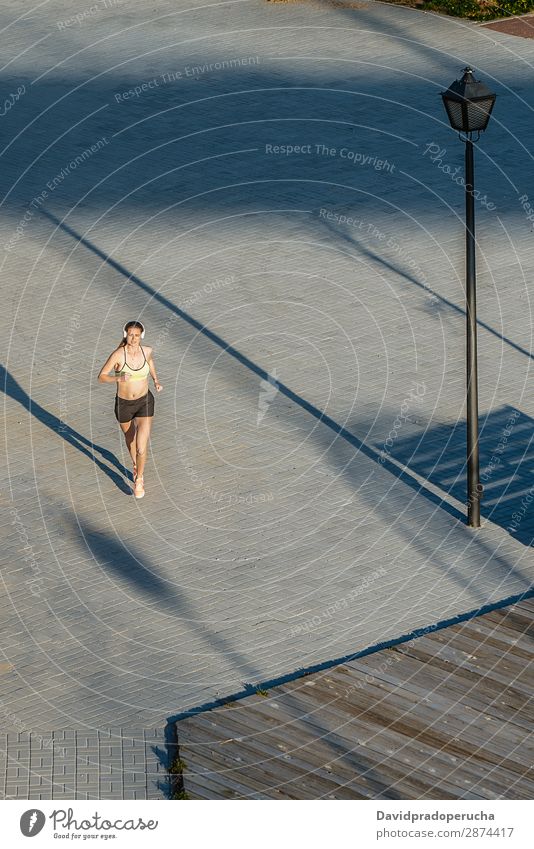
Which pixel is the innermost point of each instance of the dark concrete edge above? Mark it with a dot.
(176, 779)
(171, 731)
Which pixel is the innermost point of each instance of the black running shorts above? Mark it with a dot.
(126, 410)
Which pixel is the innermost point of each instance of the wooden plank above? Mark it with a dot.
(289, 765)
(307, 741)
(458, 652)
(254, 781)
(415, 729)
(410, 718)
(442, 690)
(217, 768)
(321, 790)
(393, 742)
(424, 672)
(475, 657)
(282, 772)
(450, 665)
(406, 708)
(506, 642)
(447, 716)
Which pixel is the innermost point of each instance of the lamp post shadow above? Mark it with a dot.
(506, 461)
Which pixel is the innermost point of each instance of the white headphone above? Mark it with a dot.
(130, 322)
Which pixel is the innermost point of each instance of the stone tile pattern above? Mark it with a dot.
(111, 764)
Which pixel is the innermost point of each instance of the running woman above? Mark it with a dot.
(134, 402)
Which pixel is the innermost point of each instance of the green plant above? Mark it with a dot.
(177, 767)
(180, 794)
(176, 770)
(475, 10)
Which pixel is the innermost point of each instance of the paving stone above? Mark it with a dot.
(82, 772)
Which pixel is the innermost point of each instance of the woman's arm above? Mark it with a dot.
(111, 362)
(152, 367)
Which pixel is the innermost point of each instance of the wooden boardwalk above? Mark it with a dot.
(448, 715)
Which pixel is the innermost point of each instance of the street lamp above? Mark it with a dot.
(469, 104)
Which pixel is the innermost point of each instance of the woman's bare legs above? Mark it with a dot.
(144, 426)
(130, 433)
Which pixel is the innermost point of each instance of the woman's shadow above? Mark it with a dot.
(14, 390)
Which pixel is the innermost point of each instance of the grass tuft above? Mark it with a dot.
(180, 794)
(177, 767)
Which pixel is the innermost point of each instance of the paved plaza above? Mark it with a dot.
(275, 191)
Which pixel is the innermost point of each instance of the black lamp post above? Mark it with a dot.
(469, 104)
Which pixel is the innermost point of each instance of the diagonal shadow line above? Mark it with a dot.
(13, 389)
(301, 672)
(366, 450)
(404, 274)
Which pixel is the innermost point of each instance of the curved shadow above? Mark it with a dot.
(162, 594)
